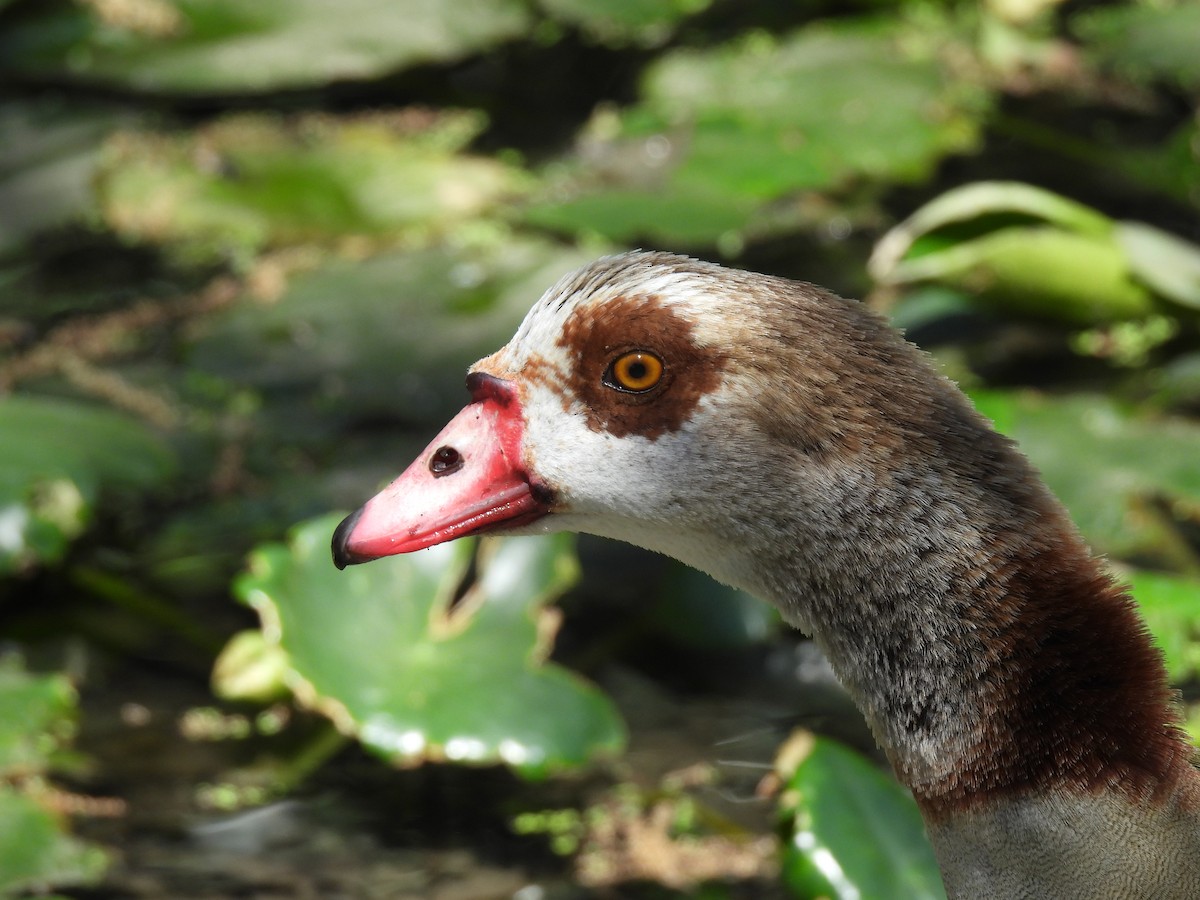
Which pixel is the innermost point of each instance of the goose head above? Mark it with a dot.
(742, 424)
(789, 442)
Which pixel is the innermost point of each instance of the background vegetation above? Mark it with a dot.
(247, 251)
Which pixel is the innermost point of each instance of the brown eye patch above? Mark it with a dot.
(602, 338)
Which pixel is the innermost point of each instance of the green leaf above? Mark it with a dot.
(852, 831)
(230, 47)
(37, 718)
(1019, 249)
(1168, 264)
(1130, 460)
(722, 135)
(56, 458)
(672, 215)
(1171, 606)
(986, 201)
(617, 22)
(250, 669)
(35, 853)
(1145, 42)
(385, 651)
(836, 102)
(248, 182)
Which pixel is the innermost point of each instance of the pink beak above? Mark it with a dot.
(469, 480)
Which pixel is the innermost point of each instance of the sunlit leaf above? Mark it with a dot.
(55, 460)
(965, 212)
(35, 718)
(251, 669)
(1168, 264)
(852, 831)
(248, 182)
(385, 651)
(228, 46)
(1019, 249)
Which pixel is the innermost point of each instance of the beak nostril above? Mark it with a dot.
(445, 461)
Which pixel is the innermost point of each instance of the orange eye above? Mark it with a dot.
(634, 372)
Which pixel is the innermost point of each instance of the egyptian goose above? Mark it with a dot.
(789, 442)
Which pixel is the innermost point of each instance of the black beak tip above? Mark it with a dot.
(342, 556)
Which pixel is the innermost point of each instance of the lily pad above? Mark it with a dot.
(671, 215)
(1127, 461)
(231, 47)
(644, 22)
(832, 101)
(721, 134)
(249, 182)
(1171, 605)
(56, 459)
(852, 831)
(387, 652)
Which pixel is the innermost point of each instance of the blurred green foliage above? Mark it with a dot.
(247, 251)
(36, 722)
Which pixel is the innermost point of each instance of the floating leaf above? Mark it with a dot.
(1171, 605)
(832, 102)
(645, 22)
(389, 655)
(55, 459)
(730, 130)
(228, 46)
(249, 181)
(669, 215)
(1130, 460)
(852, 831)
